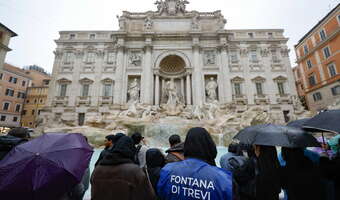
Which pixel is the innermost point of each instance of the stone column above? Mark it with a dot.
(157, 90)
(147, 80)
(118, 96)
(188, 89)
(197, 74)
(182, 88)
(224, 78)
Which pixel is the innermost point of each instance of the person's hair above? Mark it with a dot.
(174, 139)
(199, 144)
(19, 132)
(110, 138)
(235, 148)
(339, 141)
(137, 137)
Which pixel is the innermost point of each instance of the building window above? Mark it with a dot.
(85, 90)
(41, 101)
(251, 35)
(63, 89)
(72, 36)
(33, 112)
(3, 118)
(9, 92)
(309, 64)
(13, 80)
(237, 88)
(317, 96)
(323, 35)
(91, 56)
(39, 111)
(81, 119)
(24, 112)
(281, 88)
(68, 58)
(305, 48)
(259, 88)
(275, 58)
(312, 80)
(6, 106)
(17, 108)
(332, 70)
(270, 35)
(23, 83)
(233, 56)
(1, 75)
(107, 90)
(111, 58)
(336, 90)
(15, 119)
(253, 55)
(92, 36)
(326, 52)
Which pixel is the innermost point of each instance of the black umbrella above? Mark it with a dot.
(327, 121)
(298, 123)
(276, 135)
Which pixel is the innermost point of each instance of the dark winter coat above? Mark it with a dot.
(175, 153)
(117, 177)
(300, 177)
(78, 191)
(155, 162)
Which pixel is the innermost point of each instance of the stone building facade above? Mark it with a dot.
(169, 57)
(5, 36)
(318, 72)
(36, 95)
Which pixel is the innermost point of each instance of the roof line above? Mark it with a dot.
(13, 33)
(314, 27)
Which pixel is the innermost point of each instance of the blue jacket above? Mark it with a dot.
(194, 179)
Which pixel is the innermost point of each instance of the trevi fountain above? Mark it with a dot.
(165, 71)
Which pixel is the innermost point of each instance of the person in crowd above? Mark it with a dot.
(267, 181)
(234, 159)
(324, 149)
(330, 170)
(155, 161)
(118, 177)
(300, 176)
(140, 149)
(196, 177)
(108, 143)
(14, 137)
(176, 151)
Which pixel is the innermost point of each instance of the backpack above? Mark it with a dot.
(136, 159)
(7, 143)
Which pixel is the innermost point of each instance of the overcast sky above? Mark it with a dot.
(37, 22)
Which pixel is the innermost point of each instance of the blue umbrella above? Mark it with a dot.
(44, 168)
(298, 123)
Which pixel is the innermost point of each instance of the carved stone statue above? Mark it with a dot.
(211, 90)
(135, 59)
(211, 109)
(148, 23)
(197, 113)
(298, 107)
(181, 5)
(171, 93)
(210, 58)
(195, 24)
(161, 6)
(133, 91)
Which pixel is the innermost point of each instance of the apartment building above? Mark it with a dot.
(318, 57)
(13, 84)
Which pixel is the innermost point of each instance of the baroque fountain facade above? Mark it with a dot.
(166, 71)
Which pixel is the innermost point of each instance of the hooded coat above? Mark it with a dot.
(7, 143)
(196, 177)
(175, 153)
(117, 177)
(155, 162)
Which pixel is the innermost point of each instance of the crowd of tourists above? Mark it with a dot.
(127, 169)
